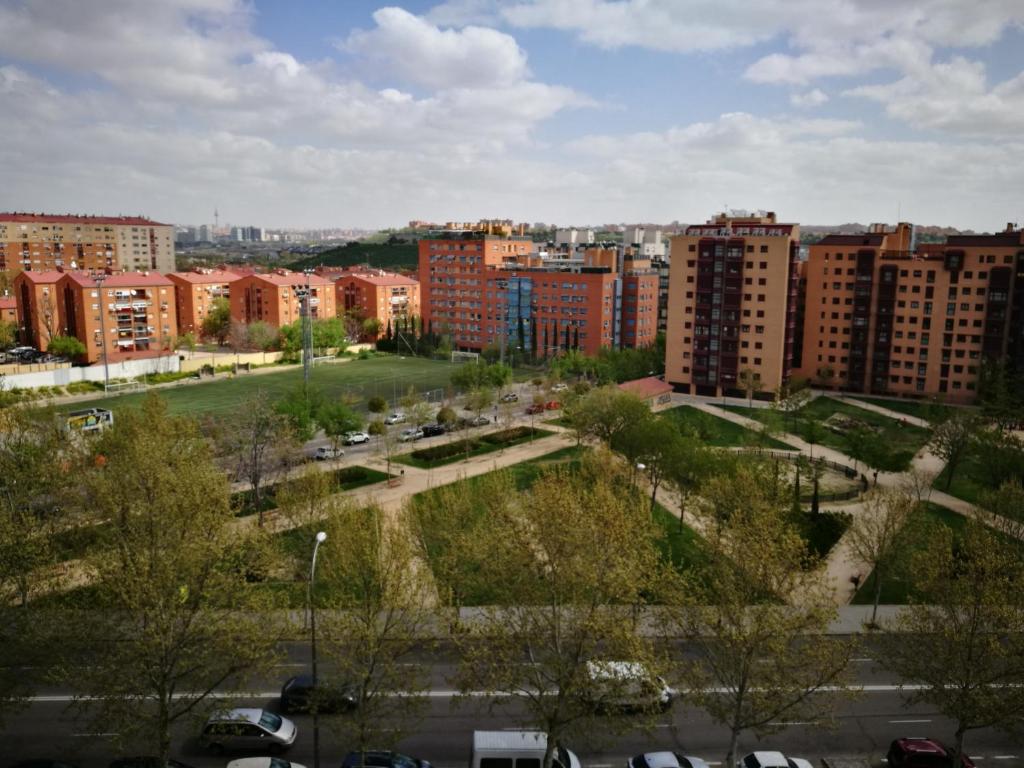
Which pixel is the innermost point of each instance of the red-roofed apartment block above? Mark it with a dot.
(132, 314)
(386, 297)
(195, 293)
(275, 297)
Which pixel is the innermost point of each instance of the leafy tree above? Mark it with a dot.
(812, 432)
(377, 428)
(1000, 393)
(376, 404)
(300, 406)
(951, 441)
(1002, 456)
(560, 607)
(187, 341)
(217, 323)
(335, 419)
(963, 648)
(476, 375)
(755, 616)
(606, 412)
(370, 328)
(446, 416)
(307, 497)
(261, 442)
(479, 400)
(65, 346)
(750, 380)
(874, 536)
(261, 336)
(164, 583)
(380, 611)
(8, 334)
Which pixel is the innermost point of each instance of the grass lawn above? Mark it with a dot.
(720, 432)
(679, 545)
(477, 447)
(966, 484)
(822, 531)
(386, 376)
(897, 588)
(902, 440)
(921, 409)
(348, 478)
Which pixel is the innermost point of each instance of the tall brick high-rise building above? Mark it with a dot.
(885, 317)
(732, 305)
(40, 242)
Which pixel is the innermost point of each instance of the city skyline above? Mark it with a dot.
(309, 115)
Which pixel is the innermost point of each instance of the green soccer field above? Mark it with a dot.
(389, 377)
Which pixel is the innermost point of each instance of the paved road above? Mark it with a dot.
(864, 727)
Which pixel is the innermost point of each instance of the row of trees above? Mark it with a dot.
(573, 566)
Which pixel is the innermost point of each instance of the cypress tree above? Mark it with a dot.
(576, 338)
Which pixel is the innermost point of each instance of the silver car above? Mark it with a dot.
(247, 729)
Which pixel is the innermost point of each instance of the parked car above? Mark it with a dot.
(298, 693)
(535, 408)
(146, 761)
(478, 421)
(247, 729)
(432, 430)
(325, 452)
(351, 438)
(772, 760)
(627, 686)
(552, 405)
(410, 434)
(559, 387)
(523, 749)
(382, 759)
(510, 397)
(263, 762)
(916, 752)
(395, 418)
(665, 760)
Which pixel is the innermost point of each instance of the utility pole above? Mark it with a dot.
(98, 279)
(307, 332)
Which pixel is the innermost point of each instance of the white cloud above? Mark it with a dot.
(804, 170)
(953, 96)
(812, 98)
(419, 52)
(459, 13)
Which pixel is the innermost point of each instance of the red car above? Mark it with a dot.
(921, 753)
(552, 405)
(535, 408)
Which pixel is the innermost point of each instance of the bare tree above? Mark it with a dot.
(875, 533)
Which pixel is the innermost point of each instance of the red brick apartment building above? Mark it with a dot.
(195, 293)
(886, 318)
(8, 309)
(733, 292)
(132, 314)
(488, 290)
(42, 242)
(373, 293)
(275, 297)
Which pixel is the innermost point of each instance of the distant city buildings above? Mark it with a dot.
(41, 242)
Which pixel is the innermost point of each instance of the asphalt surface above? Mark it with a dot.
(863, 728)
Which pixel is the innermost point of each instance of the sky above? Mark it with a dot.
(346, 113)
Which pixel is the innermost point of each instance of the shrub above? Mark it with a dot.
(508, 435)
(445, 451)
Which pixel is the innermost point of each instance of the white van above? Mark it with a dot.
(627, 686)
(517, 749)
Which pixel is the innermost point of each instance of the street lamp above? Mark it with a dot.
(321, 537)
(98, 279)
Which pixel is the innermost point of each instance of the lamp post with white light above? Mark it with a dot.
(321, 537)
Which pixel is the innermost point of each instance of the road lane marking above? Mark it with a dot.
(783, 723)
(95, 735)
(1005, 757)
(910, 721)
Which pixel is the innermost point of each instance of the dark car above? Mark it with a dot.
(381, 759)
(42, 764)
(298, 694)
(147, 761)
(921, 753)
(432, 430)
(535, 408)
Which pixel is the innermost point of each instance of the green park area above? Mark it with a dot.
(854, 431)
(678, 544)
(929, 410)
(897, 587)
(386, 376)
(722, 433)
(468, 447)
